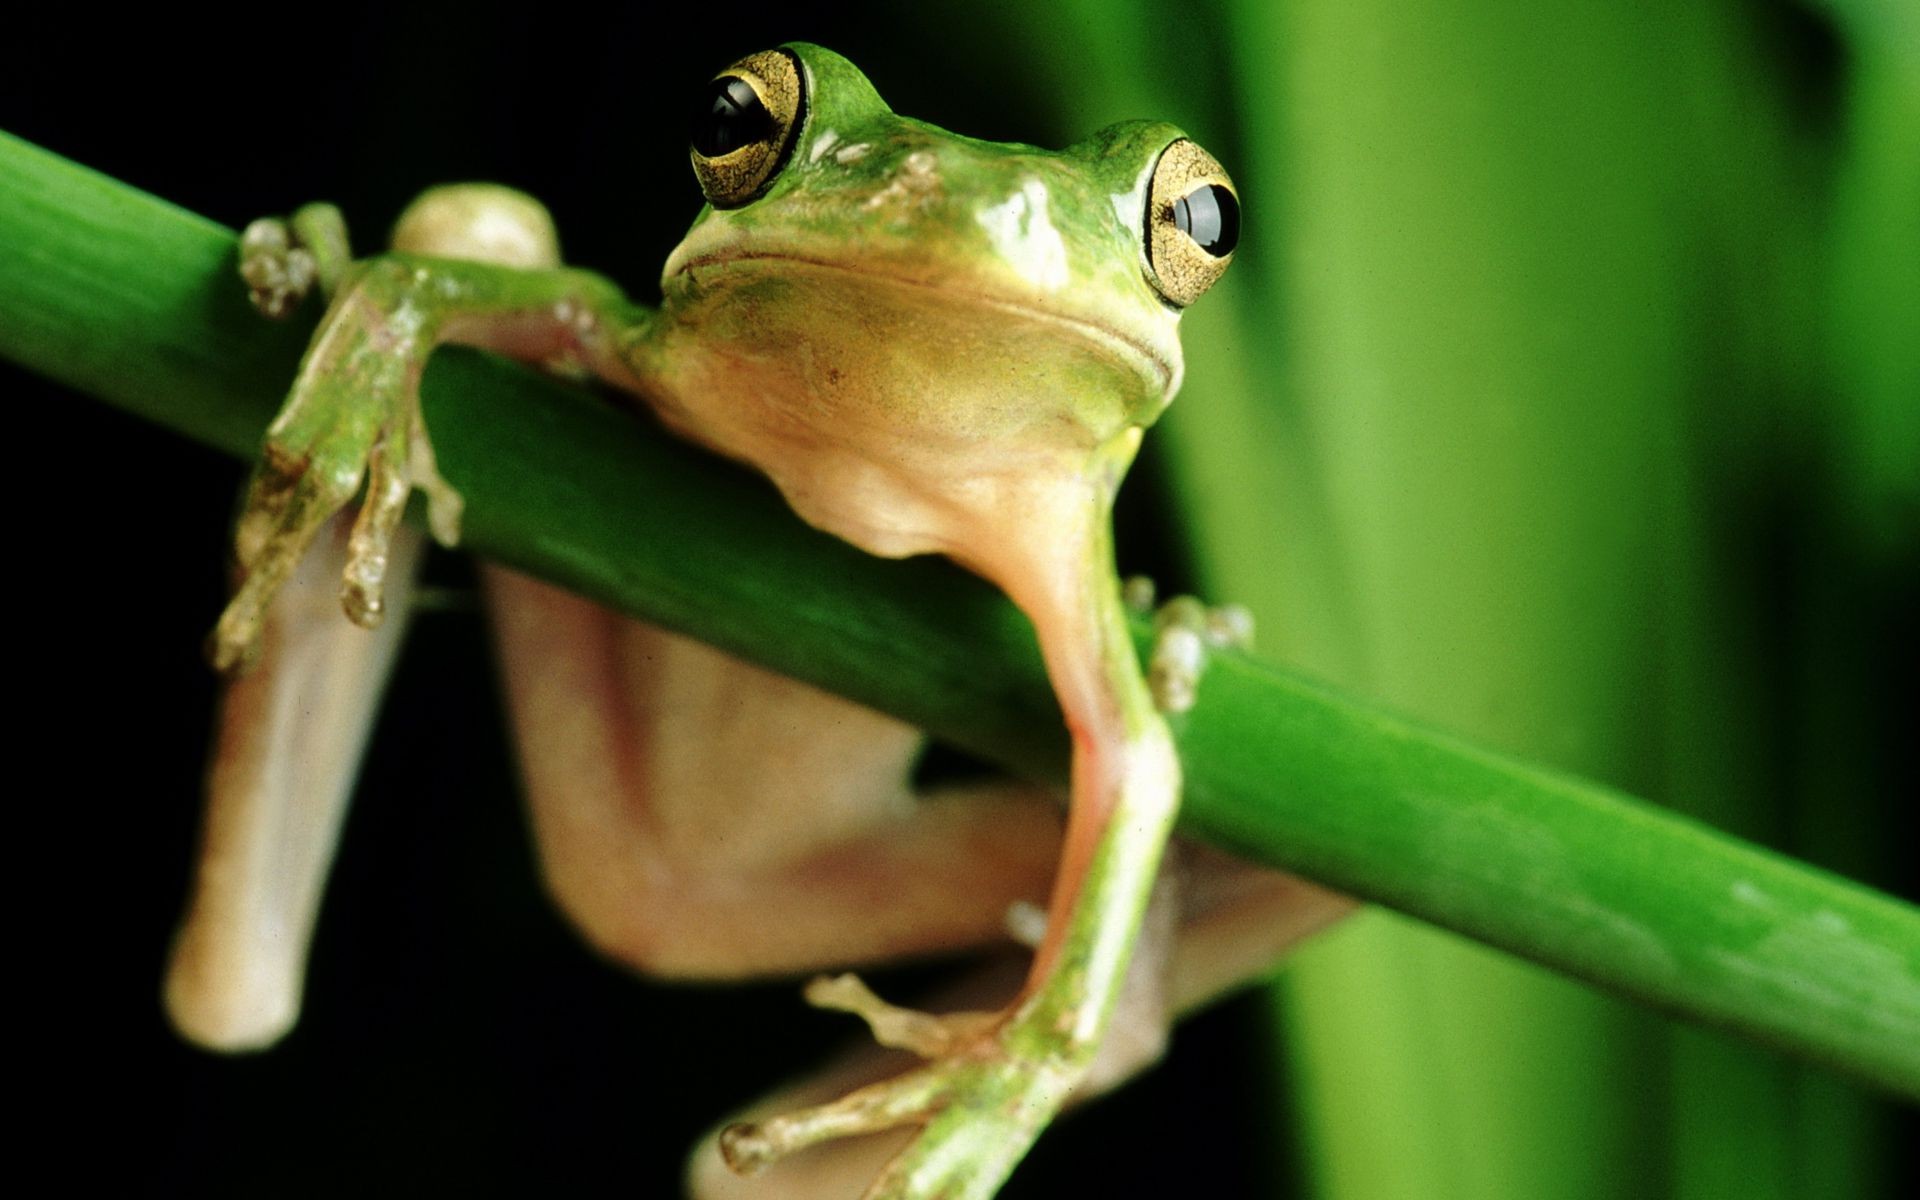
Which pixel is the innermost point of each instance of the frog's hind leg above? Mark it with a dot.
(845, 1167)
(290, 736)
(1215, 924)
(979, 1106)
(698, 817)
(291, 731)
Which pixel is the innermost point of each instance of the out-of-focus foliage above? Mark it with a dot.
(1566, 392)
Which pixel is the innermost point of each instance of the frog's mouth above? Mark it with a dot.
(1147, 360)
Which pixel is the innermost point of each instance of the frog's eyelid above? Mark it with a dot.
(1192, 222)
(770, 127)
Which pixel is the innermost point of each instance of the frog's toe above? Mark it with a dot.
(833, 1170)
(910, 1098)
(1185, 632)
(924, 1034)
(277, 270)
(974, 1111)
(363, 584)
(913, 1098)
(990, 1084)
(291, 498)
(283, 260)
(273, 549)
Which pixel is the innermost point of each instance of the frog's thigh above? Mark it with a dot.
(698, 817)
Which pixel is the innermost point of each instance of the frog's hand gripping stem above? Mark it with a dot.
(291, 732)
(985, 1095)
(354, 412)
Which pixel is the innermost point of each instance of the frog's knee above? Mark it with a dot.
(484, 222)
(620, 923)
(632, 917)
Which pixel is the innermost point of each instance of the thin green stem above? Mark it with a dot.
(126, 298)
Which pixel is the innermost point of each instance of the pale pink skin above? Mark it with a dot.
(666, 842)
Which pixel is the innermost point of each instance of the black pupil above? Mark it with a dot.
(729, 117)
(1211, 217)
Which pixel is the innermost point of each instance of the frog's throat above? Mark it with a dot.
(1151, 364)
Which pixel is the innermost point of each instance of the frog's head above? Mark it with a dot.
(813, 184)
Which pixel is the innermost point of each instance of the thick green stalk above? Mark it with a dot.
(122, 296)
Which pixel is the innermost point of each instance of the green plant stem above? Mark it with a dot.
(129, 299)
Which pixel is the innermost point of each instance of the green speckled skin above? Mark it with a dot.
(930, 344)
(848, 195)
(920, 316)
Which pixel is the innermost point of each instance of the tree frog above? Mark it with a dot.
(930, 344)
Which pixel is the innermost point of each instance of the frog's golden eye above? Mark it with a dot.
(745, 126)
(1193, 222)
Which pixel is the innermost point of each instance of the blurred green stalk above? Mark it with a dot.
(1484, 424)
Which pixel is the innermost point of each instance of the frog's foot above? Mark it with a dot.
(924, 1034)
(991, 1084)
(353, 416)
(283, 260)
(1186, 630)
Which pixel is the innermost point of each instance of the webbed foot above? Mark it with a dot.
(991, 1083)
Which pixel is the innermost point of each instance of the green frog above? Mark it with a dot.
(931, 345)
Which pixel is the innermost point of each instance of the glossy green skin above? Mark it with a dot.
(915, 313)
(931, 345)
(1058, 233)
(936, 344)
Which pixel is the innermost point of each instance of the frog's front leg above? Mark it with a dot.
(290, 733)
(353, 415)
(1215, 924)
(698, 817)
(985, 1096)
